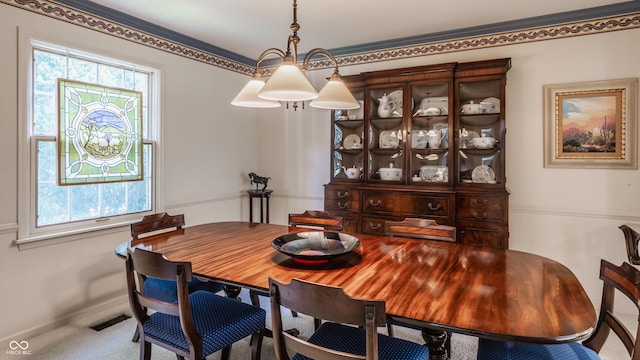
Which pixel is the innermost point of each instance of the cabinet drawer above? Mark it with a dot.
(483, 208)
(429, 205)
(372, 225)
(483, 234)
(342, 199)
(343, 205)
(342, 194)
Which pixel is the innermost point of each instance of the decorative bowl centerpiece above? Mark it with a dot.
(315, 245)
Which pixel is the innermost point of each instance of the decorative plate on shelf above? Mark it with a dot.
(316, 245)
(389, 140)
(351, 142)
(491, 105)
(483, 174)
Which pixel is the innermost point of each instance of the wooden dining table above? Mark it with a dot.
(441, 286)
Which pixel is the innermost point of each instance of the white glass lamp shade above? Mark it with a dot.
(288, 83)
(248, 96)
(335, 95)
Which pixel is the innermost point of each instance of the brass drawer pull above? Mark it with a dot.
(480, 217)
(434, 208)
(375, 203)
(343, 194)
(479, 204)
(375, 226)
(343, 205)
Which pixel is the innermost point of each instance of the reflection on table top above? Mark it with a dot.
(502, 294)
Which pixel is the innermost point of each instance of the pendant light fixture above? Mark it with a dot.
(289, 84)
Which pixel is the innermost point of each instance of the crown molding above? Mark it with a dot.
(602, 19)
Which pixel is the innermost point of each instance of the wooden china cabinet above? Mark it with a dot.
(427, 142)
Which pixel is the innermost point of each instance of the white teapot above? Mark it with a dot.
(351, 173)
(386, 106)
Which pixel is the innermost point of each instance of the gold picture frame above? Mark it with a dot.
(591, 124)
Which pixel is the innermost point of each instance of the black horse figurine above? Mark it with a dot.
(256, 179)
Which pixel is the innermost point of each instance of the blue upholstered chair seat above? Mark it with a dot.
(166, 290)
(220, 320)
(496, 350)
(352, 340)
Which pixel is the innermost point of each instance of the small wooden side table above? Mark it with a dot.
(262, 194)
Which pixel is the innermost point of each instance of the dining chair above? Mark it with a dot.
(626, 280)
(349, 330)
(631, 238)
(317, 219)
(312, 219)
(166, 289)
(199, 323)
(419, 228)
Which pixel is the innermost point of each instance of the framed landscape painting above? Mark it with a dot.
(591, 124)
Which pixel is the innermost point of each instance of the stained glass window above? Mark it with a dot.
(100, 133)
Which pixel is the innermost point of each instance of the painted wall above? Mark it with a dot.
(208, 146)
(569, 215)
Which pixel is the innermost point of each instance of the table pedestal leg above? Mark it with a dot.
(232, 291)
(435, 340)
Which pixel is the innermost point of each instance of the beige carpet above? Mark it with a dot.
(79, 342)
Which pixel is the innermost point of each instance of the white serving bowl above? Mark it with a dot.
(483, 142)
(393, 174)
(472, 108)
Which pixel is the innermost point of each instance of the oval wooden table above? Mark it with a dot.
(493, 293)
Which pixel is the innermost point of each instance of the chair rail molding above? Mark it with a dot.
(603, 215)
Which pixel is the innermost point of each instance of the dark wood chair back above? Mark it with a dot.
(625, 279)
(156, 222)
(316, 219)
(631, 238)
(142, 264)
(327, 303)
(421, 229)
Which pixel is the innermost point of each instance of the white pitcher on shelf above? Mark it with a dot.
(434, 137)
(386, 106)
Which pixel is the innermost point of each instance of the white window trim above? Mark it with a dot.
(28, 235)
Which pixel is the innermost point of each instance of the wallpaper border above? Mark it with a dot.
(74, 16)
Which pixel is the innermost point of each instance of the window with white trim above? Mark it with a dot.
(59, 210)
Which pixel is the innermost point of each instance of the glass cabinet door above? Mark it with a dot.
(385, 138)
(480, 132)
(428, 135)
(349, 140)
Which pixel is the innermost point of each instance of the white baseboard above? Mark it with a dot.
(84, 317)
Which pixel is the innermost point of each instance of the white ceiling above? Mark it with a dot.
(248, 27)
